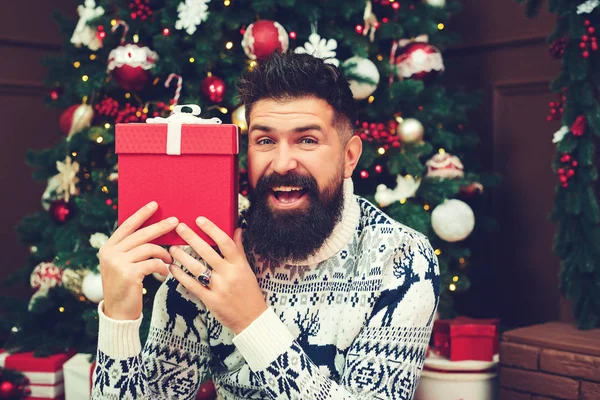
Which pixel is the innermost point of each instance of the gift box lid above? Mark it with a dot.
(195, 139)
(463, 326)
(26, 362)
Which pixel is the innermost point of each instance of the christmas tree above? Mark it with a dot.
(129, 60)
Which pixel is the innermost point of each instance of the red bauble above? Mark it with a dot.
(7, 390)
(419, 60)
(61, 211)
(214, 88)
(207, 391)
(130, 64)
(75, 118)
(263, 38)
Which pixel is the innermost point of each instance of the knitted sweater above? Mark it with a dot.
(351, 322)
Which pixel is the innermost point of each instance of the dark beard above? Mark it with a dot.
(291, 235)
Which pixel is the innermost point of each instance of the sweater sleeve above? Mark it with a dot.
(384, 361)
(173, 361)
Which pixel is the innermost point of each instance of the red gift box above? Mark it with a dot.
(466, 338)
(44, 373)
(187, 164)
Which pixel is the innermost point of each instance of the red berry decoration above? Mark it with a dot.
(61, 211)
(579, 126)
(214, 88)
(565, 173)
(140, 9)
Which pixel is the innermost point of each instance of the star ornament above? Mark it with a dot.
(320, 48)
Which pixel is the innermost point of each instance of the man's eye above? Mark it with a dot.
(308, 141)
(265, 141)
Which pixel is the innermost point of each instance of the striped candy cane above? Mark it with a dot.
(179, 85)
(125, 29)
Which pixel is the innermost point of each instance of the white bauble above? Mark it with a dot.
(453, 220)
(365, 68)
(91, 287)
(436, 3)
(411, 130)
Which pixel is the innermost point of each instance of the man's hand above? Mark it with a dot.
(233, 295)
(126, 258)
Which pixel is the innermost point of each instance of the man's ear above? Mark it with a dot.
(352, 154)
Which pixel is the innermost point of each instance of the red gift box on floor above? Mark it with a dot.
(44, 373)
(466, 338)
(187, 164)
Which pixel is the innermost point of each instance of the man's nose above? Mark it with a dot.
(284, 160)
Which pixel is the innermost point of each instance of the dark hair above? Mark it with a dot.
(286, 76)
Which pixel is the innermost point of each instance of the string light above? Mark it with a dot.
(14, 329)
(107, 126)
(223, 110)
(144, 291)
(226, 3)
(379, 57)
(136, 38)
(438, 252)
(61, 309)
(395, 6)
(293, 35)
(138, 114)
(364, 174)
(104, 189)
(371, 99)
(229, 45)
(86, 176)
(192, 59)
(381, 151)
(402, 201)
(145, 110)
(426, 207)
(442, 151)
(441, 26)
(113, 22)
(84, 78)
(92, 57)
(127, 95)
(74, 154)
(461, 260)
(99, 139)
(378, 168)
(253, 64)
(76, 64)
(452, 287)
(455, 279)
(166, 32)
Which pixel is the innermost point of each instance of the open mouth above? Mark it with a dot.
(288, 195)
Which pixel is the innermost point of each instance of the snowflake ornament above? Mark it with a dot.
(84, 34)
(320, 48)
(67, 178)
(588, 6)
(191, 13)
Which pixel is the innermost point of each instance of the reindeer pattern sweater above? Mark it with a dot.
(351, 322)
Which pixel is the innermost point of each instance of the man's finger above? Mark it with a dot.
(148, 250)
(191, 264)
(147, 267)
(191, 284)
(148, 233)
(237, 239)
(223, 241)
(203, 249)
(132, 223)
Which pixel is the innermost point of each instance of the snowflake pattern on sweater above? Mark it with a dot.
(353, 326)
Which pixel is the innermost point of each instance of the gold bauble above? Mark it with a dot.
(410, 131)
(238, 117)
(72, 279)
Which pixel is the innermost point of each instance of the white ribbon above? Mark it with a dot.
(176, 120)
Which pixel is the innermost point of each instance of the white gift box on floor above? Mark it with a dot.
(78, 377)
(45, 374)
(443, 379)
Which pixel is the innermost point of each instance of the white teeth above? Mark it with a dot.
(286, 188)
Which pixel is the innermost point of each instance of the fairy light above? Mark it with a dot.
(396, 6)
(107, 126)
(74, 154)
(402, 201)
(136, 38)
(364, 174)
(92, 57)
(461, 260)
(61, 309)
(144, 291)
(138, 114)
(14, 329)
(77, 64)
(426, 207)
(113, 22)
(379, 57)
(293, 35)
(127, 95)
(223, 110)
(229, 45)
(145, 110)
(104, 189)
(166, 32)
(371, 99)
(227, 3)
(455, 279)
(438, 252)
(452, 287)
(85, 78)
(192, 59)
(253, 64)
(378, 168)
(441, 26)
(99, 139)
(442, 151)
(381, 151)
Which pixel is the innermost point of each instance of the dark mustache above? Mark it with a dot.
(274, 179)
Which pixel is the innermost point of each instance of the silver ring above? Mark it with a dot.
(204, 277)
